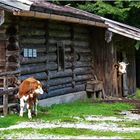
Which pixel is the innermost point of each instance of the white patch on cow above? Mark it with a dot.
(36, 103)
(38, 82)
(122, 67)
(27, 106)
(39, 90)
(29, 112)
(25, 98)
(31, 95)
(21, 107)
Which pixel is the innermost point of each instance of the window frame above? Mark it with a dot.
(60, 56)
(29, 52)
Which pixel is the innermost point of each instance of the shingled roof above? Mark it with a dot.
(47, 10)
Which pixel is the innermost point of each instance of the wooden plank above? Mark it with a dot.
(83, 77)
(59, 18)
(9, 105)
(66, 73)
(63, 91)
(59, 81)
(33, 40)
(8, 91)
(39, 76)
(34, 60)
(60, 26)
(30, 32)
(82, 70)
(5, 98)
(9, 73)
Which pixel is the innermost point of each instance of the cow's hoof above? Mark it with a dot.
(30, 118)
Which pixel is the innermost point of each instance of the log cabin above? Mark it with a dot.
(64, 47)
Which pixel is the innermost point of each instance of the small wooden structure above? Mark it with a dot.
(64, 47)
(95, 88)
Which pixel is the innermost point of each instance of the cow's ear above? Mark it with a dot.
(116, 65)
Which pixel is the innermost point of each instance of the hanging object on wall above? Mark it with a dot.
(108, 36)
(1, 17)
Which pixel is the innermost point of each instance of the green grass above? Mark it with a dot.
(66, 112)
(133, 123)
(137, 95)
(68, 132)
(11, 120)
(80, 109)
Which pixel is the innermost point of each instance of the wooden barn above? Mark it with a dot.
(64, 47)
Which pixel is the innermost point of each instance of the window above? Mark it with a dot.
(29, 52)
(60, 56)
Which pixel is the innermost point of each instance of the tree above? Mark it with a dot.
(123, 11)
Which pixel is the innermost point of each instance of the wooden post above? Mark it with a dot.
(5, 98)
(124, 78)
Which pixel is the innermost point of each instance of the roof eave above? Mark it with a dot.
(59, 18)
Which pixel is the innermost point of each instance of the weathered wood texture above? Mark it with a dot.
(44, 36)
(104, 57)
(86, 54)
(138, 68)
(126, 46)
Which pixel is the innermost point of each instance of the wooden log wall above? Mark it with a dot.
(9, 53)
(104, 56)
(32, 34)
(44, 36)
(77, 58)
(2, 48)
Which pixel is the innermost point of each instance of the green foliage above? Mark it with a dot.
(106, 9)
(123, 11)
(136, 96)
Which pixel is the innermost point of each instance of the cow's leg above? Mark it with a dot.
(35, 106)
(21, 106)
(29, 110)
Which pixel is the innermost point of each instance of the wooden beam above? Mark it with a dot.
(123, 34)
(59, 18)
(5, 98)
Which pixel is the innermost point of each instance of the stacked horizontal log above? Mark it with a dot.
(2, 49)
(83, 65)
(44, 38)
(78, 69)
(33, 36)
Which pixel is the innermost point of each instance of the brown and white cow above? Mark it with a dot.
(29, 89)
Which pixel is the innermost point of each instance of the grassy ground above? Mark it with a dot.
(137, 95)
(68, 113)
(68, 132)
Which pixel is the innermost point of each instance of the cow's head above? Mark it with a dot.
(37, 87)
(121, 66)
